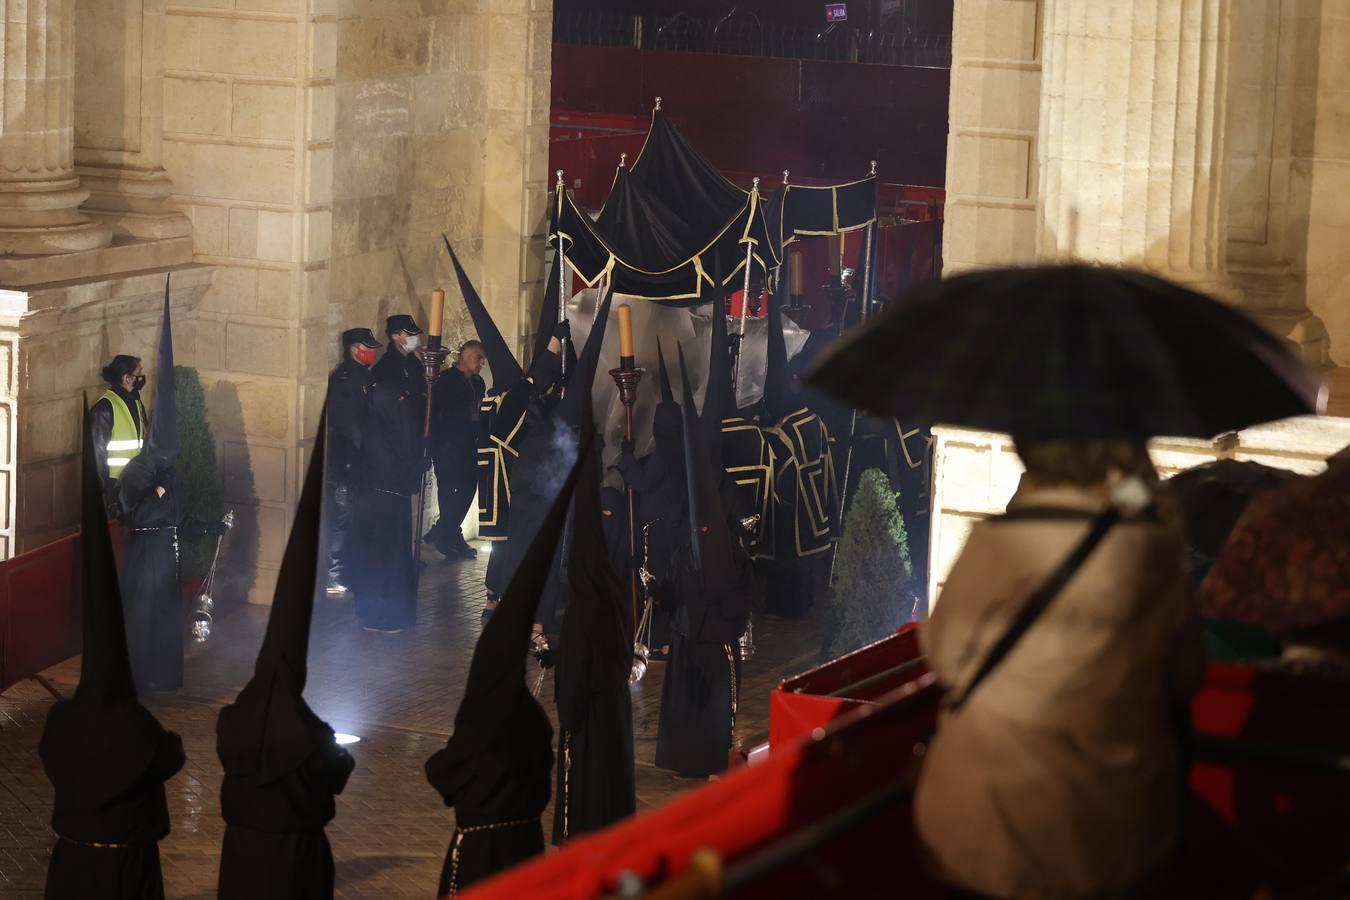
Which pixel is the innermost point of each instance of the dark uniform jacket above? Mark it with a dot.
(348, 407)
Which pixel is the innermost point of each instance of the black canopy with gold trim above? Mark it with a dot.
(669, 216)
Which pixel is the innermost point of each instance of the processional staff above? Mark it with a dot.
(562, 280)
(745, 290)
(626, 377)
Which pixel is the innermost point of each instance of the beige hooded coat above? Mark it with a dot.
(1060, 776)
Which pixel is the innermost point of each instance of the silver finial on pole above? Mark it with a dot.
(623, 160)
(874, 167)
(755, 185)
(658, 102)
(559, 175)
(786, 173)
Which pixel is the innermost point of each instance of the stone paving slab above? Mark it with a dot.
(398, 692)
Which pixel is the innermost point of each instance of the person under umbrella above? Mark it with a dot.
(714, 588)
(105, 755)
(283, 767)
(152, 509)
(495, 769)
(516, 401)
(595, 781)
(1286, 568)
(1067, 633)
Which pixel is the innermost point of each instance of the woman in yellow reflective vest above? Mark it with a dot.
(118, 420)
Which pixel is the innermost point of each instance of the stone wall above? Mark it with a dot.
(53, 344)
(248, 131)
(993, 147)
(977, 472)
(442, 127)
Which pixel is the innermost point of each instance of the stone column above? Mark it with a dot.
(40, 194)
(1134, 109)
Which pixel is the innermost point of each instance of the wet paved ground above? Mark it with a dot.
(399, 692)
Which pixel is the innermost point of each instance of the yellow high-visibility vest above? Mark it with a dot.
(128, 434)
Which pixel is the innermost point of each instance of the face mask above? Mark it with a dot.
(365, 356)
(138, 383)
(412, 342)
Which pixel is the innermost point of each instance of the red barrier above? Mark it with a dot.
(40, 598)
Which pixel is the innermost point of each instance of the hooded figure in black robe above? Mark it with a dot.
(537, 473)
(595, 783)
(105, 755)
(152, 509)
(495, 769)
(282, 765)
(658, 479)
(714, 588)
(805, 511)
(510, 408)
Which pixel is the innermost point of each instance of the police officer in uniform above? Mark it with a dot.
(389, 475)
(348, 406)
(118, 422)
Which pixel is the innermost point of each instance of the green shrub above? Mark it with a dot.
(197, 471)
(873, 592)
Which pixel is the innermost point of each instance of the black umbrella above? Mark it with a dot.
(1069, 352)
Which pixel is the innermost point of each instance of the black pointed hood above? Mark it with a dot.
(597, 631)
(778, 389)
(269, 730)
(548, 312)
(506, 370)
(162, 442)
(547, 451)
(497, 766)
(96, 746)
(105, 665)
(667, 395)
(710, 538)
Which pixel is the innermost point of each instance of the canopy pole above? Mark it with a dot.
(562, 280)
(745, 297)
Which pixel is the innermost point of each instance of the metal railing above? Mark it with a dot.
(745, 34)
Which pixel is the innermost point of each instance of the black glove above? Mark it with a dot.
(217, 529)
(563, 331)
(627, 447)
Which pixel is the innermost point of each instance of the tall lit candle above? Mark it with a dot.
(625, 336)
(796, 269)
(437, 317)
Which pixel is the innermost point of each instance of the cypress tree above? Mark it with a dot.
(873, 592)
(198, 474)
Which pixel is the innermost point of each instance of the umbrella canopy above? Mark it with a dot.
(1286, 566)
(1213, 496)
(1069, 353)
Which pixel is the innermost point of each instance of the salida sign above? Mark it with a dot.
(836, 12)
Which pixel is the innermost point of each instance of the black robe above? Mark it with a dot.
(275, 847)
(497, 778)
(382, 574)
(595, 780)
(109, 813)
(805, 513)
(695, 732)
(152, 587)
